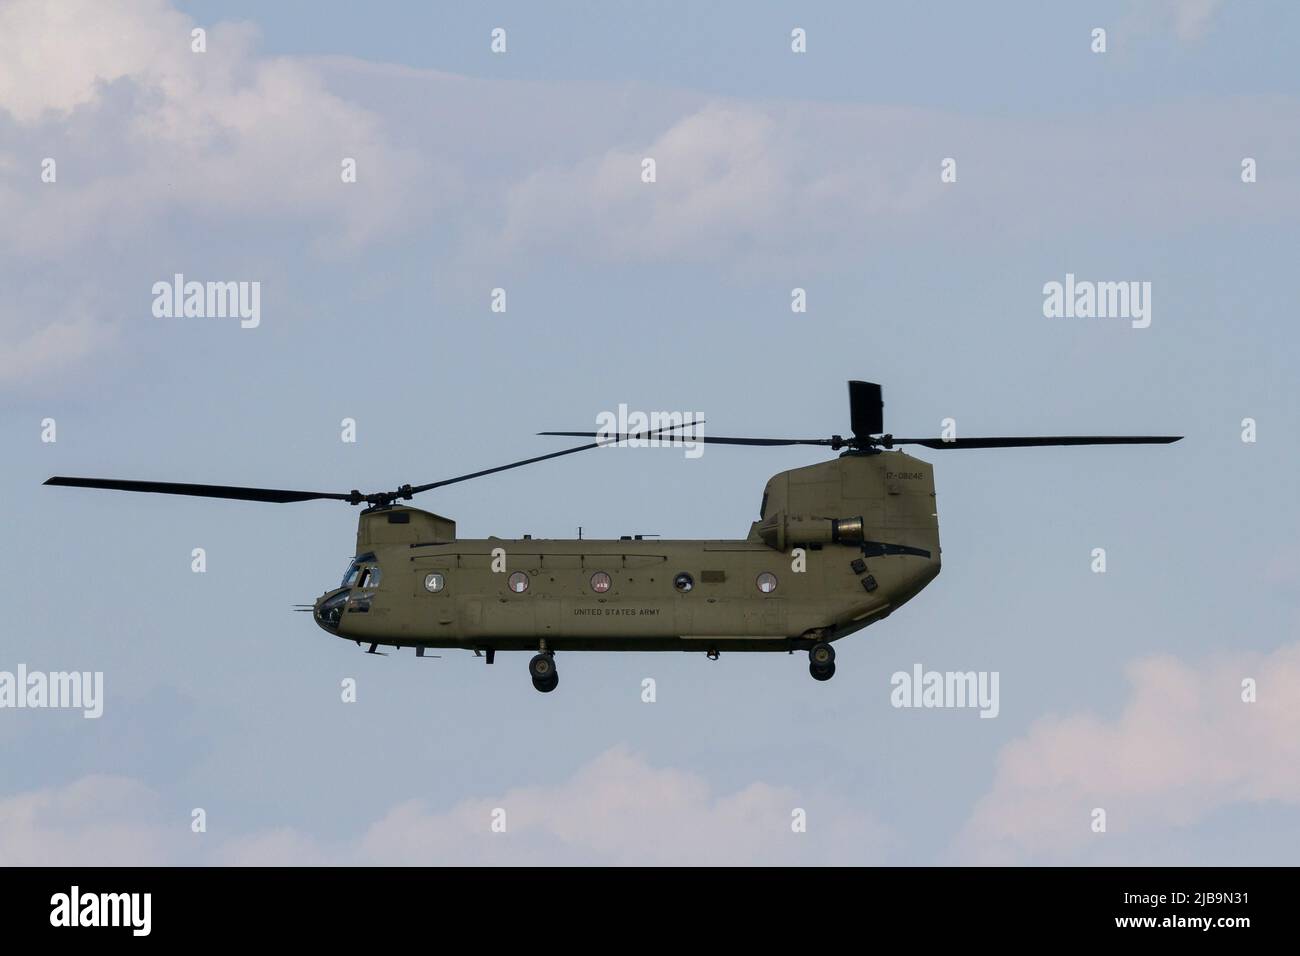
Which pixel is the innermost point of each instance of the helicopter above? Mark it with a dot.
(837, 546)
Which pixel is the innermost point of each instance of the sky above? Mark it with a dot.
(1120, 691)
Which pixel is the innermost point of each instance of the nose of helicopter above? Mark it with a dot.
(328, 610)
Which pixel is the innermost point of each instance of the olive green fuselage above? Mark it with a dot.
(807, 571)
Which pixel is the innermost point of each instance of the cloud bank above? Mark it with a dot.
(616, 810)
(1185, 746)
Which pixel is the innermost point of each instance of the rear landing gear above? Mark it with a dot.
(821, 661)
(542, 670)
(822, 672)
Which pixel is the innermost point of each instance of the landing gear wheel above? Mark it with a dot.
(821, 671)
(542, 670)
(821, 654)
(541, 667)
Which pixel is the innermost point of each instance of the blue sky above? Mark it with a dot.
(775, 170)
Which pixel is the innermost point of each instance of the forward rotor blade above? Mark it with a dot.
(491, 471)
(274, 495)
(1037, 441)
(528, 461)
(866, 409)
(282, 496)
(614, 437)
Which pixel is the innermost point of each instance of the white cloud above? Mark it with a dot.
(1192, 17)
(141, 127)
(153, 141)
(811, 185)
(719, 171)
(618, 809)
(734, 180)
(554, 171)
(158, 145)
(96, 821)
(1189, 20)
(54, 57)
(32, 350)
(1185, 746)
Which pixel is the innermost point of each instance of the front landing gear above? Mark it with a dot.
(542, 670)
(821, 661)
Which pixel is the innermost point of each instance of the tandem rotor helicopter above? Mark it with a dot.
(863, 525)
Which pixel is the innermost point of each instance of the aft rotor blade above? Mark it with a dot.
(707, 439)
(866, 409)
(528, 461)
(274, 495)
(1036, 441)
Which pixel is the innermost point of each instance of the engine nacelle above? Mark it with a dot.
(782, 531)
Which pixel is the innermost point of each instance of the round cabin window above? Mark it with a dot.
(683, 582)
(600, 582)
(434, 582)
(766, 582)
(518, 582)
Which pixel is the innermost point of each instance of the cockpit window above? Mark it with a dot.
(359, 564)
(369, 578)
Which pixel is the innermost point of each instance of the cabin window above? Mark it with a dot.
(683, 582)
(766, 582)
(434, 582)
(518, 582)
(600, 582)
